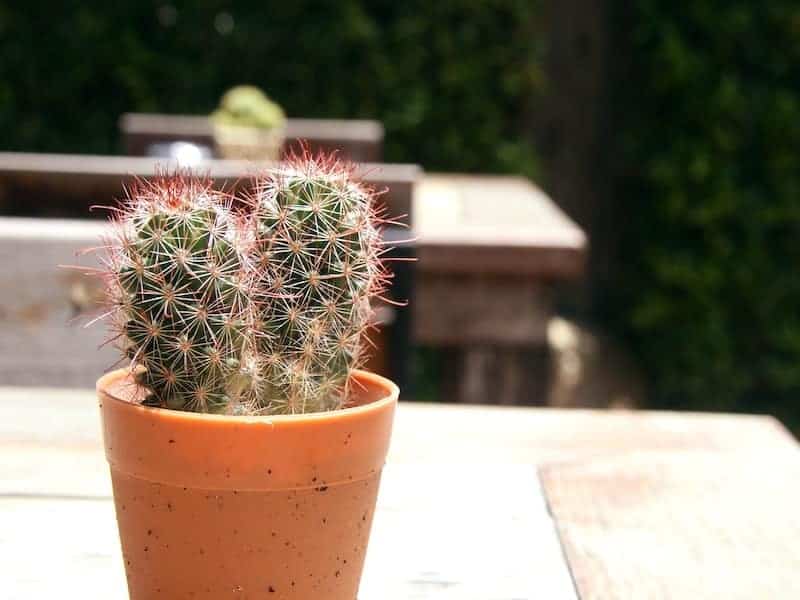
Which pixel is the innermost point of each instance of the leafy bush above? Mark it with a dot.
(452, 81)
(709, 176)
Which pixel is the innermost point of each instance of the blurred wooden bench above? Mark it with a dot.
(43, 308)
(43, 342)
(66, 185)
(491, 251)
(358, 140)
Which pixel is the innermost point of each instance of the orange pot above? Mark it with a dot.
(213, 507)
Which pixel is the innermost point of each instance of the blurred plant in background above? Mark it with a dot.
(248, 106)
(452, 81)
(709, 179)
(248, 125)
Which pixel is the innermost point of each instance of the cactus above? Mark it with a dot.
(180, 294)
(317, 249)
(260, 312)
(248, 106)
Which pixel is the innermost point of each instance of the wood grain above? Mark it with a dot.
(683, 525)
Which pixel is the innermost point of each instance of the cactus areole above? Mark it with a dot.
(246, 306)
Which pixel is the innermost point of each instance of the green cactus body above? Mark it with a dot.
(180, 289)
(256, 312)
(317, 252)
(248, 106)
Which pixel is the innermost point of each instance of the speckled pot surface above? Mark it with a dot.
(214, 507)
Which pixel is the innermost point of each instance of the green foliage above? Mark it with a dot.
(318, 249)
(248, 106)
(710, 181)
(452, 80)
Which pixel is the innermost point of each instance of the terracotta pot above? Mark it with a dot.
(213, 507)
(248, 143)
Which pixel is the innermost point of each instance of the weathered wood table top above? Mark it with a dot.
(625, 505)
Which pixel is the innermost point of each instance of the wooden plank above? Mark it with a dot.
(45, 340)
(67, 421)
(44, 311)
(60, 548)
(54, 478)
(494, 224)
(649, 504)
(417, 549)
(67, 185)
(683, 525)
(480, 309)
(357, 139)
(438, 534)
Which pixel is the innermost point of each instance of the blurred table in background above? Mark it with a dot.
(43, 341)
(357, 140)
(66, 185)
(632, 505)
(491, 251)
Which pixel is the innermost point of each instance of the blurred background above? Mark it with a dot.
(666, 132)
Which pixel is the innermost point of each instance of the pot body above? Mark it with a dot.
(214, 507)
(248, 143)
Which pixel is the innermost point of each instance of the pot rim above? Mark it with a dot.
(390, 396)
(246, 452)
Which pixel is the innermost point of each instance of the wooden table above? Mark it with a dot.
(626, 505)
(356, 139)
(33, 184)
(491, 251)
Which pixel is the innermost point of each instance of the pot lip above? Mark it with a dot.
(388, 397)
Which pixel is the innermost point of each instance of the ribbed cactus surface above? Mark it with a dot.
(261, 311)
(317, 249)
(180, 289)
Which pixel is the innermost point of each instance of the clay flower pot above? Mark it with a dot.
(248, 143)
(213, 507)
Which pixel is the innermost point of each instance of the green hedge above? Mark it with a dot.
(708, 172)
(707, 133)
(452, 80)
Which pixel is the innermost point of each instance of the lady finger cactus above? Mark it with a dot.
(179, 287)
(258, 312)
(316, 251)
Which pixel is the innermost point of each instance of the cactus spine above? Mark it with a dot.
(318, 250)
(263, 312)
(179, 288)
